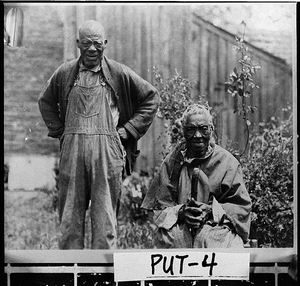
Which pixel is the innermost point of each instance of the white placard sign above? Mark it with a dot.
(198, 265)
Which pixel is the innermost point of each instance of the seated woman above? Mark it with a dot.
(198, 197)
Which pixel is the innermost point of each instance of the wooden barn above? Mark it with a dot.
(169, 37)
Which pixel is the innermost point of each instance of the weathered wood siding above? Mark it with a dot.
(144, 35)
(141, 37)
(214, 58)
(171, 38)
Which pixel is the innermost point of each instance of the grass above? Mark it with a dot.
(31, 223)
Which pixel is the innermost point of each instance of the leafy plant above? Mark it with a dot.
(268, 171)
(133, 235)
(241, 83)
(175, 96)
(135, 226)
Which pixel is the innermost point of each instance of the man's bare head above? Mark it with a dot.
(91, 28)
(91, 43)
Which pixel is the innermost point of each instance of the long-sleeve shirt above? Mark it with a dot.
(92, 77)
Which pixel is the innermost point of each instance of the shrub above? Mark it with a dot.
(268, 171)
(175, 96)
(135, 226)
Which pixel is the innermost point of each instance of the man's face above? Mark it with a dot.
(91, 47)
(197, 132)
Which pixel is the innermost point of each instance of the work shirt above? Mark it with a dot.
(92, 77)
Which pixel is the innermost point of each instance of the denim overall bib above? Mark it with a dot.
(91, 164)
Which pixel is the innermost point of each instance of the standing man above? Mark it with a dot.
(99, 109)
(198, 197)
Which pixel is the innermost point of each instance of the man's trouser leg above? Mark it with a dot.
(73, 192)
(107, 162)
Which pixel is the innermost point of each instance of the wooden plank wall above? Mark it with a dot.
(171, 37)
(141, 37)
(219, 58)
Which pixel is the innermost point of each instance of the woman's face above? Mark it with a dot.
(197, 133)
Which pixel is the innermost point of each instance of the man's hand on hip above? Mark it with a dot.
(124, 134)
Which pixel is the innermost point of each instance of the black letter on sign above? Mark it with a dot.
(181, 257)
(212, 264)
(153, 263)
(170, 269)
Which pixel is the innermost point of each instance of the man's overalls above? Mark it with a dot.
(91, 164)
